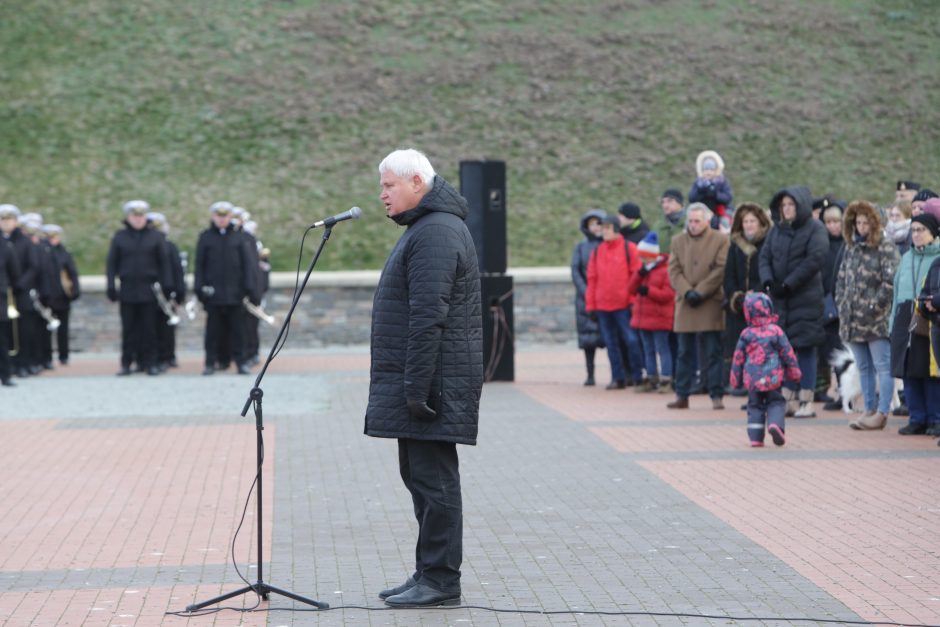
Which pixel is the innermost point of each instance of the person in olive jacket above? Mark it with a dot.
(224, 276)
(138, 258)
(427, 364)
(791, 263)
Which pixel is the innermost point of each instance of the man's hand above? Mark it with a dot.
(643, 290)
(112, 293)
(421, 411)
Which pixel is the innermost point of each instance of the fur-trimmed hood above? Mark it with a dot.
(737, 227)
(700, 159)
(862, 208)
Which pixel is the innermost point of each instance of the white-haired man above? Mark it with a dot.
(427, 365)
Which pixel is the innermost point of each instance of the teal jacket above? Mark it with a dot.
(911, 274)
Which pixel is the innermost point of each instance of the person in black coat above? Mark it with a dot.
(175, 293)
(791, 263)
(589, 333)
(749, 229)
(9, 274)
(138, 258)
(632, 226)
(224, 276)
(29, 324)
(63, 288)
(427, 364)
(831, 216)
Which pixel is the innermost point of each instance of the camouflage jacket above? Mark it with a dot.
(864, 290)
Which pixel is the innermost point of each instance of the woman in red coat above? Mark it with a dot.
(653, 311)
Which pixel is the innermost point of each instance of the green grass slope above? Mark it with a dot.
(286, 107)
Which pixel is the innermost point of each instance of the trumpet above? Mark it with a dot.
(258, 312)
(14, 315)
(190, 308)
(52, 323)
(168, 310)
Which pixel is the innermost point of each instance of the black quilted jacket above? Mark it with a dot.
(427, 333)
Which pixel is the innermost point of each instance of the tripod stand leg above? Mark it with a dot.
(198, 606)
(262, 589)
(290, 595)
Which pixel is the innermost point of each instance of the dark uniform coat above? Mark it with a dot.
(28, 260)
(427, 326)
(793, 256)
(224, 263)
(9, 274)
(64, 265)
(138, 258)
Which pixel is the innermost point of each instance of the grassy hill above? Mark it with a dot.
(286, 107)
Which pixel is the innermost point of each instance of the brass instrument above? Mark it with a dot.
(258, 312)
(52, 323)
(190, 307)
(14, 315)
(165, 306)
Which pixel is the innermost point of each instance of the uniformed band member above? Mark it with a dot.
(166, 333)
(905, 190)
(9, 276)
(137, 258)
(29, 324)
(63, 287)
(224, 275)
(32, 225)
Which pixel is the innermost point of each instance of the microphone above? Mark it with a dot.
(352, 214)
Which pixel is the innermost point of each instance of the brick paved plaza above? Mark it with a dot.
(121, 498)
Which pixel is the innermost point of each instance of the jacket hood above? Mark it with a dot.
(441, 197)
(804, 204)
(593, 213)
(737, 226)
(759, 310)
(700, 159)
(862, 208)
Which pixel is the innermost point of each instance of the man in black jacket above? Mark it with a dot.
(26, 360)
(9, 275)
(138, 258)
(63, 287)
(224, 276)
(427, 365)
(166, 333)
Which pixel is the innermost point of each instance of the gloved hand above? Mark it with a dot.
(644, 270)
(421, 411)
(643, 290)
(693, 298)
(781, 290)
(112, 293)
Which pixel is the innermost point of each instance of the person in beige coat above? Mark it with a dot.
(697, 271)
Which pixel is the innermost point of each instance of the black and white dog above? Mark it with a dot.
(850, 384)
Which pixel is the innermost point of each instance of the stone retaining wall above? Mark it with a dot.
(336, 309)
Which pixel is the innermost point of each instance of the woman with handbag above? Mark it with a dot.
(909, 331)
(864, 292)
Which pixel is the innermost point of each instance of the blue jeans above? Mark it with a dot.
(873, 359)
(656, 342)
(615, 325)
(806, 358)
(923, 400)
(710, 361)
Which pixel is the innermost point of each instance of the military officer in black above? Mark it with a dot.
(166, 333)
(32, 225)
(223, 277)
(138, 259)
(26, 360)
(9, 275)
(64, 287)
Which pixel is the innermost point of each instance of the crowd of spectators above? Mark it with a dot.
(671, 303)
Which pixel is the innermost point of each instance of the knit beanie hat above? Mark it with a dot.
(675, 194)
(609, 219)
(929, 221)
(924, 194)
(649, 246)
(630, 210)
(932, 207)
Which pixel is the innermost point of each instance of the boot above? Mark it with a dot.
(790, 397)
(806, 405)
(648, 385)
(873, 421)
(665, 385)
(679, 403)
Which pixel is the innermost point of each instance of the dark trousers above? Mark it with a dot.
(62, 334)
(139, 334)
(763, 409)
(224, 334)
(166, 339)
(710, 360)
(252, 339)
(5, 361)
(431, 473)
(923, 400)
(29, 325)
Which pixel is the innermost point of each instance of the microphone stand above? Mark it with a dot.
(254, 398)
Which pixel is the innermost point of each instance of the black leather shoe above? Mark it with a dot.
(421, 595)
(8, 383)
(208, 370)
(933, 430)
(124, 372)
(833, 406)
(390, 592)
(153, 371)
(172, 363)
(912, 429)
(900, 411)
(244, 369)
